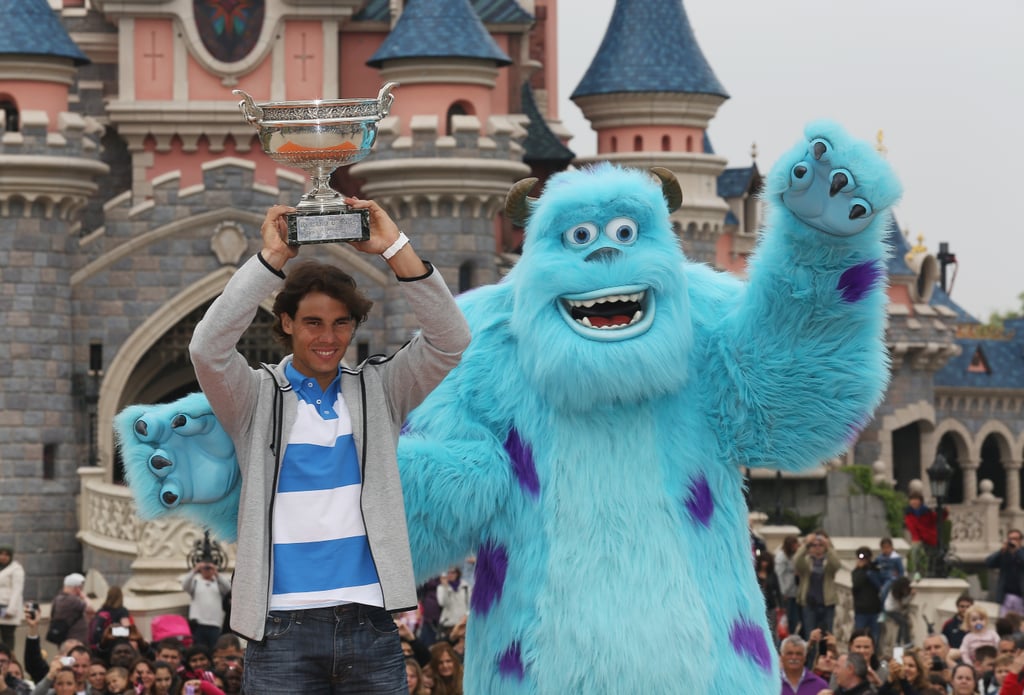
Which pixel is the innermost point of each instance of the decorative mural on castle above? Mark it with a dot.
(229, 29)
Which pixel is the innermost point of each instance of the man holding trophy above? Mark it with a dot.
(323, 552)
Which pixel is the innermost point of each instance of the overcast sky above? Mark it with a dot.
(943, 80)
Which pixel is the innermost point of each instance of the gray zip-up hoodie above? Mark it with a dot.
(379, 394)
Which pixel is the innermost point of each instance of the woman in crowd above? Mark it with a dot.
(64, 682)
(964, 680)
(906, 677)
(414, 675)
(141, 676)
(447, 670)
(165, 680)
(863, 643)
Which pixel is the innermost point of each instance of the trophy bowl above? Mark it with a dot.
(318, 137)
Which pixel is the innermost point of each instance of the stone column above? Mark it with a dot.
(1012, 468)
(970, 473)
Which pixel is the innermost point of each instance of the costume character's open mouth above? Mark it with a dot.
(614, 313)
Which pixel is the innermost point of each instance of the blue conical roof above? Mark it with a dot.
(649, 47)
(30, 27)
(439, 29)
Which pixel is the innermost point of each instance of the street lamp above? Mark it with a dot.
(939, 474)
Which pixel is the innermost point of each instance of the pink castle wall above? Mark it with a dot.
(304, 61)
(652, 137)
(42, 96)
(154, 60)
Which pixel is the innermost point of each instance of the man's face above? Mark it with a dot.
(792, 658)
(1014, 539)
(5, 558)
(97, 676)
(962, 607)
(122, 655)
(199, 662)
(170, 656)
(934, 646)
(985, 665)
(845, 675)
(81, 667)
(1007, 646)
(222, 657)
(817, 547)
(886, 548)
(320, 331)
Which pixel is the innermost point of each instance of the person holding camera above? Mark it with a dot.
(1009, 560)
(207, 588)
(867, 583)
(816, 564)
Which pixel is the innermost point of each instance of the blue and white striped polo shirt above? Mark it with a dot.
(321, 553)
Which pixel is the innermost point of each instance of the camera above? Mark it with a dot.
(67, 661)
(32, 610)
(938, 664)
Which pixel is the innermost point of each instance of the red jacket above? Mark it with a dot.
(922, 525)
(1012, 685)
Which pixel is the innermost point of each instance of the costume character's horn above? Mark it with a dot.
(518, 201)
(669, 188)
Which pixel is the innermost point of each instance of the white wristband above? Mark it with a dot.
(399, 244)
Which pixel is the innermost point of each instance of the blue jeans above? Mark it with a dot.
(869, 620)
(817, 616)
(327, 651)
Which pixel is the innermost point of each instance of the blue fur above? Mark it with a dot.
(613, 583)
(618, 578)
(202, 472)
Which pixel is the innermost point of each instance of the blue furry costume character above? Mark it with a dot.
(589, 446)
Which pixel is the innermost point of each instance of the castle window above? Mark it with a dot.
(466, 276)
(10, 109)
(978, 365)
(614, 144)
(638, 143)
(689, 143)
(666, 143)
(459, 108)
(49, 461)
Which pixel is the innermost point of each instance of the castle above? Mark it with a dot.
(131, 188)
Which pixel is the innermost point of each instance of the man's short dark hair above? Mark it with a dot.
(915, 496)
(858, 664)
(80, 648)
(985, 651)
(170, 643)
(227, 641)
(314, 276)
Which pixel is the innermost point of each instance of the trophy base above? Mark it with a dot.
(318, 227)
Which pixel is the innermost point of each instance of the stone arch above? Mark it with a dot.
(954, 442)
(919, 412)
(994, 452)
(9, 105)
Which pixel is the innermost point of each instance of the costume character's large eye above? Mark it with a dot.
(621, 230)
(581, 234)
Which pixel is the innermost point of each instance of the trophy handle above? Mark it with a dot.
(252, 113)
(385, 98)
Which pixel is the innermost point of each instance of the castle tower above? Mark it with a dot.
(447, 155)
(650, 94)
(49, 161)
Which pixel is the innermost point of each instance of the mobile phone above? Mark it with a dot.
(67, 661)
(897, 654)
(119, 631)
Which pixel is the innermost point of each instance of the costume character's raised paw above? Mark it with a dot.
(837, 184)
(178, 459)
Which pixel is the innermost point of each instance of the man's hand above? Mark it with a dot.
(274, 231)
(404, 632)
(815, 635)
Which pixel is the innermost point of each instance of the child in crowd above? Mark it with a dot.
(1003, 667)
(978, 633)
(117, 680)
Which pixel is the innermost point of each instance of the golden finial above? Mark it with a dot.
(917, 249)
(880, 147)
(753, 151)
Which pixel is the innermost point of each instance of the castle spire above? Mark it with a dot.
(32, 29)
(649, 46)
(439, 29)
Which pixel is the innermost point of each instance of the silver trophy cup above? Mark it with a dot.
(320, 136)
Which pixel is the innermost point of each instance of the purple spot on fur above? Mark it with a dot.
(854, 430)
(522, 462)
(748, 640)
(857, 281)
(510, 663)
(491, 566)
(699, 503)
(406, 428)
